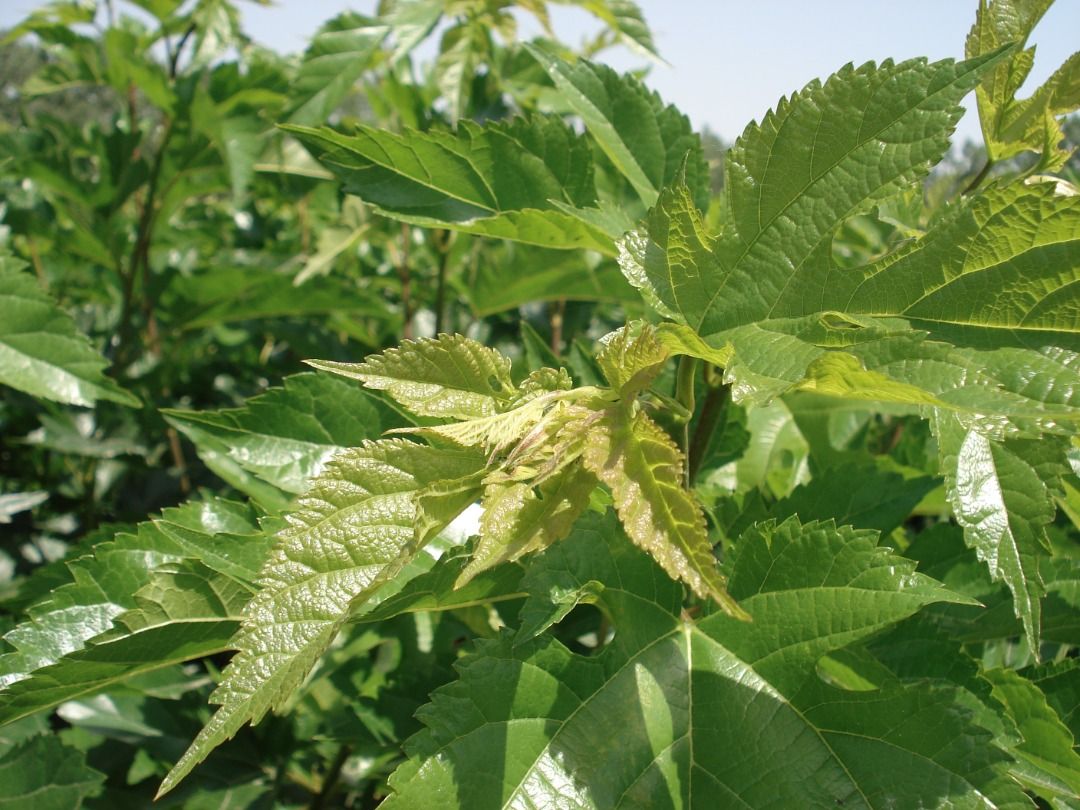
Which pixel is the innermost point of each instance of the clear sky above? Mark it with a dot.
(731, 60)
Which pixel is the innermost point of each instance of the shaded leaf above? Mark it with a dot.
(44, 774)
(722, 696)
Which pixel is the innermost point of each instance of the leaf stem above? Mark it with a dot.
(330, 780)
(977, 180)
(685, 378)
(713, 417)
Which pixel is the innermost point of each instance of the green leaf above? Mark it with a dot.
(501, 180)
(1000, 270)
(864, 495)
(641, 466)
(978, 316)
(44, 774)
(439, 588)
(1048, 763)
(673, 713)
(1002, 494)
(223, 535)
(41, 351)
(352, 530)
(876, 130)
(184, 611)
(625, 19)
(519, 277)
(450, 376)
(1059, 682)
(339, 53)
(228, 295)
(520, 519)
(647, 141)
(287, 435)
(1010, 125)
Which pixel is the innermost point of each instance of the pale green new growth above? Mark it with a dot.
(519, 519)
(1011, 126)
(629, 453)
(449, 377)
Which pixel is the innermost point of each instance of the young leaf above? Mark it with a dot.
(449, 377)
(673, 713)
(286, 435)
(1010, 125)
(643, 469)
(519, 520)
(1002, 494)
(41, 352)
(631, 358)
(350, 531)
(499, 180)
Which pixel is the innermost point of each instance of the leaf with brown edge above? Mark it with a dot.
(642, 467)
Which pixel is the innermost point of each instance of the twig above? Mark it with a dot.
(442, 245)
(405, 276)
(35, 259)
(179, 462)
(174, 60)
(558, 315)
(140, 254)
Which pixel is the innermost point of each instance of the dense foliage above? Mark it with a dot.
(628, 474)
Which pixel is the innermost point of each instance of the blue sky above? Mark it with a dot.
(731, 60)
